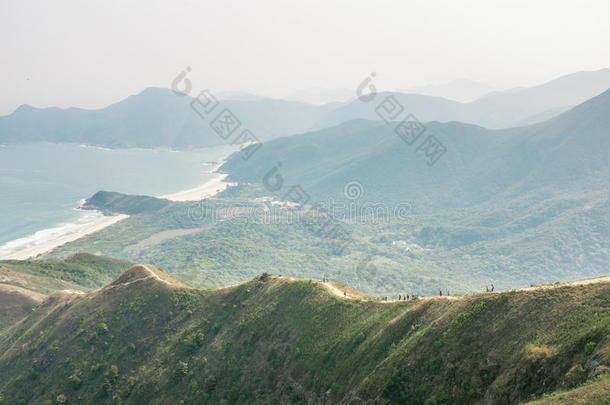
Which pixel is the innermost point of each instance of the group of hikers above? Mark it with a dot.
(405, 297)
(401, 297)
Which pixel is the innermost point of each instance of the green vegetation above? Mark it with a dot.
(510, 246)
(24, 284)
(80, 271)
(111, 202)
(273, 340)
(596, 392)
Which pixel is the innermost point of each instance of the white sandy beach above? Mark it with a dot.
(94, 226)
(209, 189)
(206, 190)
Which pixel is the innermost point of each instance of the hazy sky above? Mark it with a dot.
(92, 53)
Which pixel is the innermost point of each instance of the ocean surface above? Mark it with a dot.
(42, 184)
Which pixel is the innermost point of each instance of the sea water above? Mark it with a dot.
(42, 184)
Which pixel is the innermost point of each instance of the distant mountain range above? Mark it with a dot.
(495, 110)
(461, 90)
(158, 118)
(321, 96)
(155, 117)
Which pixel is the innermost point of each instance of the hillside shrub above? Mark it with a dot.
(75, 381)
(182, 369)
(589, 348)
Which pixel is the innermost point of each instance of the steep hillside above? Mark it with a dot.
(594, 393)
(565, 154)
(25, 284)
(147, 339)
(82, 271)
(16, 303)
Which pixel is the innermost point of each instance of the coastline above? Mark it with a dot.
(94, 226)
(208, 189)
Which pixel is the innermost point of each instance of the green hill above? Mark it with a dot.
(16, 303)
(146, 338)
(24, 284)
(594, 393)
(82, 271)
(114, 203)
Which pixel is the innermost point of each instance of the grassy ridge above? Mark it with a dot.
(80, 271)
(274, 340)
(593, 393)
(24, 284)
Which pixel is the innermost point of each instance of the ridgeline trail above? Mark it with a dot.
(346, 294)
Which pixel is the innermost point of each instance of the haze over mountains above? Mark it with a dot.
(461, 90)
(495, 110)
(158, 118)
(153, 118)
